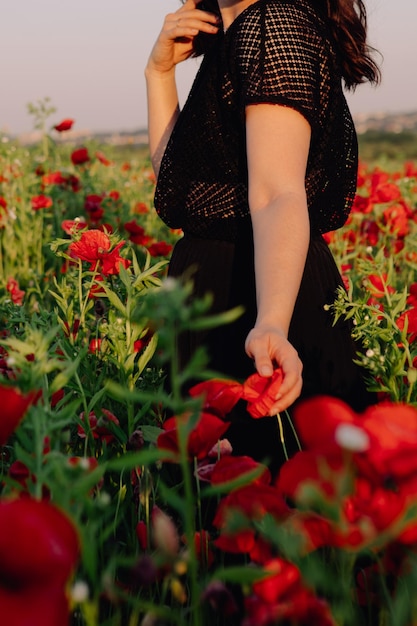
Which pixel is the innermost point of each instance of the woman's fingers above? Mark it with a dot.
(184, 21)
(269, 349)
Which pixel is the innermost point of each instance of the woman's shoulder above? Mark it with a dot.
(278, 15)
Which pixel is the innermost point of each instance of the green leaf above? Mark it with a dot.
(150, 433)
(246, 575)
(115, 300)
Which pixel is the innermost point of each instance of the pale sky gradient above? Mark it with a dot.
(88, 56)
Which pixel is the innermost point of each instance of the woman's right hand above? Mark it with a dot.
(175, 41)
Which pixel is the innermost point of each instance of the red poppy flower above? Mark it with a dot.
(41, 202)
(94, 247)
(94, 346)
(137, 233)
(64, 125)
(362, 204)
(54, 178)
(160, 248)
(142, 534)
(282, 578)
(140, 208)
(92, 202)
(388, 429)
(297, 605)
(208, 430)
(203, 551)
(397, 218)
(306, 469)
(14, 406)
(103, 159)
(220, 396)
(80, 156)
(409, 319)
(99, 425)
(3, 212)
(378, 285)
(254, 502)
(230, 467)
(71, 226)
(261, 392)
(16, 294)
(20, 473)
(386, 192)
(39, 549)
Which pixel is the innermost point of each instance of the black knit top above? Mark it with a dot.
(276, 51)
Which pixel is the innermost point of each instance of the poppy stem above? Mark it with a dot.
(291, 423)
(281, 436)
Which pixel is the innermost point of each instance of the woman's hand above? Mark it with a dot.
(269, 348)
(175, 41)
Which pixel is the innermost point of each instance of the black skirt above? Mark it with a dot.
(226, 271)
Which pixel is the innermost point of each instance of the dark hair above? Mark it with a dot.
(348, 24)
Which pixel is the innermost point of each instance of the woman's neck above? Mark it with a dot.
(230, 9)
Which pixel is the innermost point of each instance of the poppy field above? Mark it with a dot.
(121, 503)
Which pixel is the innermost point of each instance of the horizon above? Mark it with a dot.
(90, 61)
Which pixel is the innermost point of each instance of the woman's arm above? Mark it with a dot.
(173, 45)
(278, 140)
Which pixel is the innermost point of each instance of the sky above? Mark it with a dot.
(88, 57)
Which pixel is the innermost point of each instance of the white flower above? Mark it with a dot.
(351, 437)
(79, 592)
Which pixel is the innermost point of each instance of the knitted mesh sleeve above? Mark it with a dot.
(278, 52)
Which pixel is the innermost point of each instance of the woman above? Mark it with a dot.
(261, 161)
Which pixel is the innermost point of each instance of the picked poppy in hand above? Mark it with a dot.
(261, 392)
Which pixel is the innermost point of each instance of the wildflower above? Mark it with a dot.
(103, 159)
(64, 125)
(220, 598)
(160, 248)
(281, 597)
(220, 396)
(231, 467)
(201, 438)
(54, 178)
(80, 156)
(14, 407)
(80, 592)
(94, 347)
(136, 441)
(140, 208)
(253, 501)
(142, 534)
(94, 247)
(16, 294)
(41, 202)
(137, 233)
(164, 532)
(3, 212)
(71, 226)
(98, 426)
(39, 549)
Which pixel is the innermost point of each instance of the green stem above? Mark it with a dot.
(189, 524)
